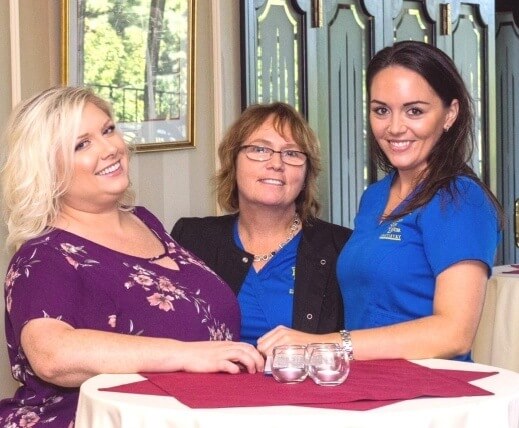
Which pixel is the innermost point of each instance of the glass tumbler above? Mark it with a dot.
(328, 365)
(288, 363)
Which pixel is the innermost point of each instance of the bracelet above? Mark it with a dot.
(346, 343)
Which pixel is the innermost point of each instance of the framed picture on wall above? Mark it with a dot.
(139, 55)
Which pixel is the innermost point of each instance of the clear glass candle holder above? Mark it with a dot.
(328, 365)
(311, 346)
(288, 363)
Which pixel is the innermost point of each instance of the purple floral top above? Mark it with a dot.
(63, 276)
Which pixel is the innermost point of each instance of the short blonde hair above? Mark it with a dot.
(307, 204)
(40, 138)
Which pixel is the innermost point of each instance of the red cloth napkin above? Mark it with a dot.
(370, 384)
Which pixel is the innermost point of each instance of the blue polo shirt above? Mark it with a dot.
(266, 298)
(387, 271)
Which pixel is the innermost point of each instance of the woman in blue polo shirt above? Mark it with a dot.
(413, 273)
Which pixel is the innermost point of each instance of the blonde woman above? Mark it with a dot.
(96, 284)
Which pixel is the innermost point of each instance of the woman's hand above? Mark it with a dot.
(282, 335)
(216, 356)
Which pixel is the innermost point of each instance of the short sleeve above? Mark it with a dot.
(41, 282)
(462, 226)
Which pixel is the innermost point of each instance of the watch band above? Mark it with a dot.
(347, 345)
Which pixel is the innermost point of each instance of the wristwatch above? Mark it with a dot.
(346, 343)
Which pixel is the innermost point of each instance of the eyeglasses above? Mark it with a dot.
(262, 154)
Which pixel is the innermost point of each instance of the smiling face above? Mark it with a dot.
(271, 183)
(100, 163)
(407, 117)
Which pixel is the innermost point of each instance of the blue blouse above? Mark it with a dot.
(266, 298)
(387, 270)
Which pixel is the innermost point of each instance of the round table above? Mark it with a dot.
(497, 339)
(112, 409)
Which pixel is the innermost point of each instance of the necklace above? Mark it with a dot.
(291, 233)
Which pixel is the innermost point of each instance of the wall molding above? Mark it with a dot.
(217, 82)
(14, 31)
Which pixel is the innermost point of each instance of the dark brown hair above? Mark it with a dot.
(451, 155)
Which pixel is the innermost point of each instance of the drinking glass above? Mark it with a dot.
(328, 365)
(288, 363)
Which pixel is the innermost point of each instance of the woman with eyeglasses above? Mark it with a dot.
(273, 251)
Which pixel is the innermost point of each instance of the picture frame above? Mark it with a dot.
(140, 58)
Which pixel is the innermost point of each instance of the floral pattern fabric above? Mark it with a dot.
(66, 277)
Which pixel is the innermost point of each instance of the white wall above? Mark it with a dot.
(38, 27)
(173, 183)
(6, 382)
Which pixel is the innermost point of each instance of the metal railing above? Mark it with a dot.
(129, 106)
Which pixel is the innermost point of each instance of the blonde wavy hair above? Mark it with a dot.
(284, 115)
(40, 137)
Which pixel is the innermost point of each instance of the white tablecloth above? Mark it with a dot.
(497, 339)
(113, 409)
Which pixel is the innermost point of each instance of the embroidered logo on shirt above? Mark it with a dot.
(393, 233)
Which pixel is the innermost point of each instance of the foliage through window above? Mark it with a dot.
(137, 54)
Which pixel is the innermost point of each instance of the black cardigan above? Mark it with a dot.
(318, 306)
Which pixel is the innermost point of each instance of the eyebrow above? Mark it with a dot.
(405, 104)
(80, 137)
(270, 143)
(86, 134)
(260, 141)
